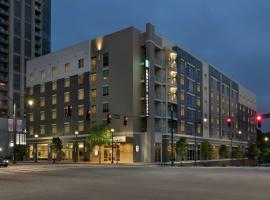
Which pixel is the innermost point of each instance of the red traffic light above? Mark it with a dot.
(259, 118)
(229, 121)
(125, 120)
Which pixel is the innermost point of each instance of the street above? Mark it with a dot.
(83, 181)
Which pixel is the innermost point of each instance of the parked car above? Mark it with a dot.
(4, 162)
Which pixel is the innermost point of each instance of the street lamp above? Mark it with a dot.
(112, 131)
(36, 157)
(76, 146)
(266, 139)
(30, 102)
(239, 132)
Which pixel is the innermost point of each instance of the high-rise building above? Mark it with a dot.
(25, 34)
(154, 84)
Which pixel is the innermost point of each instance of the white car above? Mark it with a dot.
(4, 163)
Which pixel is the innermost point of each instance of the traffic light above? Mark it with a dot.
(69, 110)
(109, 117)
(229, 121)
(259, 120)
(125, 120)
(88, 114)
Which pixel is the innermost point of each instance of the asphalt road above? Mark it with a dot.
(79, 182)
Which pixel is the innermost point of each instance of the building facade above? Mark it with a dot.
(24, 34)
(159, 86)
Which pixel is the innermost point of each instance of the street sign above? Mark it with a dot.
(116, 116)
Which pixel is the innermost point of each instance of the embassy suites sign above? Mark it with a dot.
(146, 65)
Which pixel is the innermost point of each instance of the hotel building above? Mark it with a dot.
(157, 84)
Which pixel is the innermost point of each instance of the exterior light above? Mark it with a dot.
(205, 119)
(1, 149)
(30, 102)
(99, 42)
(76, 132)
(240, 132)
(11, 144)
(112, 130)
(266, 139)
(36, 135)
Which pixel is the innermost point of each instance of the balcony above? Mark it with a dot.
(3, 78)
(173, 113)
(160, 96)
(38, 18)
(37, 34)
(3, 68)
(4, 3)
(3, 59)
(3, 31)
(3, 40)
(3, 50)
(3, 12)
(160, 114)
(160, 63)
(160, 129)
(160, 80)
(3, 22)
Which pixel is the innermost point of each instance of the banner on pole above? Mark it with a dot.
(10, 124)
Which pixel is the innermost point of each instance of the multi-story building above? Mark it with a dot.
(24, 34)
(158, 85)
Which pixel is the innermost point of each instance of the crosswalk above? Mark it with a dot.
(25, 169)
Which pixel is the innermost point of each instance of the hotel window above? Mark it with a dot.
(42, 115)
(66, 97)
(93, 64)
(31, 90)
(93, 111)
(54, 99)
(198, 101)
(42, 88)
(67, 67)
(80, 79)
(105, 107)
(81, 63)
(81, 94)
(182, 126)
(42, 74)
(31, 130)
(182, 112)
(93, 94)
(182, 96)
(31, 77)
(93, 79)
(198, 87)
(42, 101)
(182, 80)
(31, 117)
(105, 90)
(66, 127)
(105, 74)
(54, 85)
(80, 126)
(105, 59)
(54, 129)
(54, 71)
(67, 82)
(42, 129)
(54, 114)
(80, 110)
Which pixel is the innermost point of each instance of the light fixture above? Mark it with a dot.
(112, 130)
(205, 119)
(76, 132)
(266, 139)
(30, 102)
(36, 135)
(1, 149)
(240, 132)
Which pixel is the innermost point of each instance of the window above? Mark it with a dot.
(42, 115)
(31, 117)
(27, 48)
(17, 45)
(105, 59)
(27, 31)
(182, 112)
(54, 71)
(54, 129)
(31, 77)
(66, 97)
(80, 126)
(31, 130)
(16, 63)
(93, 64)
(80, 79)
(17, 27)
(42, 74)
(42, 101)
(105, 90)
(81, 63)
(93, 79)
(54, 114)
(93, 111)
(80, 110)
(42, 88)
(28, 13)
(54, 85)
(54, 99)
(67, 67)
(31, 90)
(93, 94)
(198, 88)
(42, 129)
(17, 8)
(182, 80)
(66, 128)
(67, 82)
(105, 74)
(182, 126)
(182, 96)
(17, 83)
(81, 94)
(105, 107)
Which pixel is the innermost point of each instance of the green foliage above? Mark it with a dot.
(57, 144)
(238, 153)
(223, 152)
(182, 147)
(253, 151)
(206, 150)
(21, 151)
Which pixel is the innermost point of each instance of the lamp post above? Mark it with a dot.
(36, 153)
(172, 152)
(1, 151)
(112, 131)
(76, 146)
(266, 139)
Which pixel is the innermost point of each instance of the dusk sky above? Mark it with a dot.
(232, 35)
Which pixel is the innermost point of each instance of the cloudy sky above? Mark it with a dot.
(232, 35)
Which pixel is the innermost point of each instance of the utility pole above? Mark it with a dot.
(14, 133)
(172, 155)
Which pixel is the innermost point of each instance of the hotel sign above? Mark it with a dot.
(146, 64)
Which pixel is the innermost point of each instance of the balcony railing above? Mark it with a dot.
(3, 50)
(160, 113)
(3, 31)
(160, 62)
(160, 79)
(3, 12)
(160, 96)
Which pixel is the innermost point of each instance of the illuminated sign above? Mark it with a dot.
(137, 148)
(147, 64)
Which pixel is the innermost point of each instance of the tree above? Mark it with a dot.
(239, 153)
(206, 150)
(99, 135)
(223, 152)
(253, 151)
(181, 148)
(56, 147)
(20, 151)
